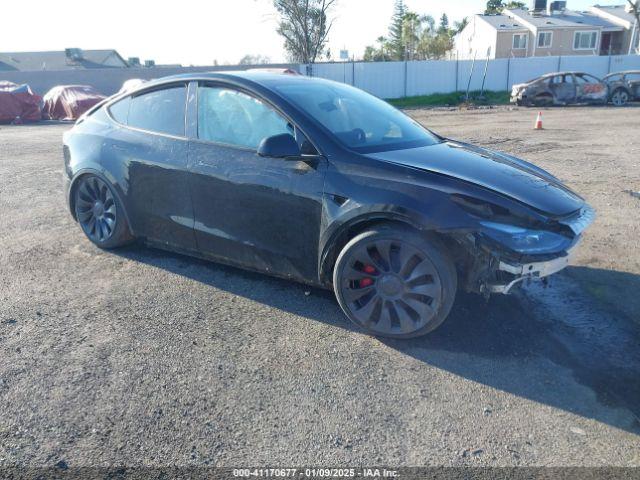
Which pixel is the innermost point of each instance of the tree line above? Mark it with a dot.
(305, 26)
(414, 37)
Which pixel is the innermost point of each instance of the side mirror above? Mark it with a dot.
(279, 146)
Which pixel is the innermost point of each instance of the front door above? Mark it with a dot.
(564, 88)
(255, 212)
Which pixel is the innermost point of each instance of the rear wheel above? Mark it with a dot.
(100, 214)
(620, 97)
(395, 283)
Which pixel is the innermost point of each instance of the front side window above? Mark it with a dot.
(160, 111)
(355, 118)
(520, 41)
(235, 118)
(544, 39)
(560, 79)
(585, 40)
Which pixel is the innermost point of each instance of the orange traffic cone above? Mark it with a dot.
(538, 125)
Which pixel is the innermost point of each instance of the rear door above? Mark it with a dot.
(151, 145)
(589, 89)
(256, 212)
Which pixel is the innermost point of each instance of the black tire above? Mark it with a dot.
(620, 97)
(410, 282)
(100, 213)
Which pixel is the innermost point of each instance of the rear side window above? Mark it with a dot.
(120, 110)
(161, 111)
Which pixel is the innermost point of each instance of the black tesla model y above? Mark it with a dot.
(321, 183)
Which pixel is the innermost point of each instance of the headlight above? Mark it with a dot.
(523, 240)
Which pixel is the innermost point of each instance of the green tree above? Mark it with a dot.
(461, 25)
(435, 47)
(305, 26)
(444, 24)
(419, 39)
(254, 60)
(381, 53)
(411, 33)
(369, 54)
(493, 7)
(497, 6)
(396, 45)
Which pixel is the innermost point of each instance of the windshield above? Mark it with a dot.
(358, 120)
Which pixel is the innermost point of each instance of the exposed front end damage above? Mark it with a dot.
(487, 267)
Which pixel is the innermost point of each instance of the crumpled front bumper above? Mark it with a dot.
(535, 270)
(517, 272)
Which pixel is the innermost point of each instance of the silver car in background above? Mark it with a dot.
(623, 87)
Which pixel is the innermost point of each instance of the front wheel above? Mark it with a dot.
(620, 97)
(100, 214)
(395, 283)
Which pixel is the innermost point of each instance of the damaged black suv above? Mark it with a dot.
(321, 183)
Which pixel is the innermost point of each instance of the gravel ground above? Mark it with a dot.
(141, 357)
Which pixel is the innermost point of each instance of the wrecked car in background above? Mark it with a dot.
(561, 88)
(69, 102)
(19, 104)
(623, 86)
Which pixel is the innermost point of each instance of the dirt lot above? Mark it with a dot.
(139, 357)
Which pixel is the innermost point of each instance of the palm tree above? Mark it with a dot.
(411, 27)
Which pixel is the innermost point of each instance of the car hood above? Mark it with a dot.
(499, 172)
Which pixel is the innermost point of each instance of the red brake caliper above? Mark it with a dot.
(367, 282)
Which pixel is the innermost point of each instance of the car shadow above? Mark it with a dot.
(501, 343)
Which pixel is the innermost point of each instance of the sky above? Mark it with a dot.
(199, 32)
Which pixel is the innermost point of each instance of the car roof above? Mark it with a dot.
(568, 72)
(256, 77)
(555, 74)
(623, 72)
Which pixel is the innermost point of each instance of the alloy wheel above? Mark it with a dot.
(619, 98)
(96, 209)
(391, 287)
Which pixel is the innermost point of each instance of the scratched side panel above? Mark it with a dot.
(154, 179)
(258, 213)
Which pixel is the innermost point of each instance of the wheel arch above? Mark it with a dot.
(338, 239)
(545, 94)
(624, 88)
(104, 177)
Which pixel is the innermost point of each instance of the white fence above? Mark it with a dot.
(384, 79)
(407, 79)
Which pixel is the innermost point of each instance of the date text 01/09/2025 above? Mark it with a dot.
(315, 472)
